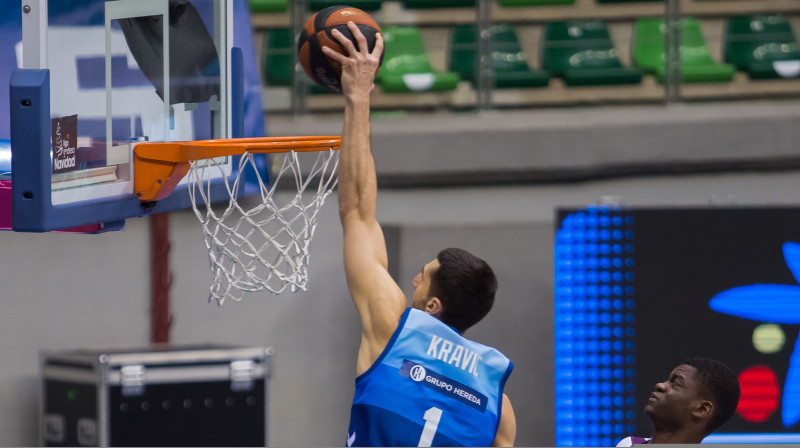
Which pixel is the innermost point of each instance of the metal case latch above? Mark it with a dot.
(242, 375)
(132, 380)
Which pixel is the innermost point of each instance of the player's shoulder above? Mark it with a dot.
(630, 441)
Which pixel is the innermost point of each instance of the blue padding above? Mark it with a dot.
(31, 205)
(249, 184)
(76, 12)
(237, 92)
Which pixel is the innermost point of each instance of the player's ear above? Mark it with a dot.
(434, 306)
(703, 409)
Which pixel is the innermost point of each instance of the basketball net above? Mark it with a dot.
(262, 245)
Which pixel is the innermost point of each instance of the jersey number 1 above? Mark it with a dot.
(432, 417)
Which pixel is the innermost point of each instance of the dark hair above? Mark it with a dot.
(720, 381)
(465, 284)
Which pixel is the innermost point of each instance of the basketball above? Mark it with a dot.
(317, 33)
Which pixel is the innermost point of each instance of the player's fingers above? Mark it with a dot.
(378, 50)
(333, 54)
(359, 36)
(346, 43)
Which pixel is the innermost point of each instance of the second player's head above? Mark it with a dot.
(700, 392)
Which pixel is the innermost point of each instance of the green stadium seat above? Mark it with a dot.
(269, 6)
(510, 64)
(406, 65)
(278, 66)
(278, 57)
(628, 1)
(582, 53)
(524, 3)
(764, 46)
(432, 4)
(648, 52)
(364, 5)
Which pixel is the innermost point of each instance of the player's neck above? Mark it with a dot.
(677, 436)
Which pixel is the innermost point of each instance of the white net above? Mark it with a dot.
(262, 245)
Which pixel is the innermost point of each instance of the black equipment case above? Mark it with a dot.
(160, 396)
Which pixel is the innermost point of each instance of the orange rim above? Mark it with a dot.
(159, 166)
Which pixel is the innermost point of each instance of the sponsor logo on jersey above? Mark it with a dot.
(417, 373)
(443, 385)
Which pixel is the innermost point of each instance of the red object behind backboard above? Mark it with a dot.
(5, 212)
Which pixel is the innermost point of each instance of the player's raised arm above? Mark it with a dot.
(379, 300)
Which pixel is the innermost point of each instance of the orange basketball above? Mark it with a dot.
(317, 32)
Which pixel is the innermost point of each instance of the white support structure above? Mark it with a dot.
(126, 9)
(34, 34)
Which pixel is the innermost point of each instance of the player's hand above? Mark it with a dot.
(359, 66)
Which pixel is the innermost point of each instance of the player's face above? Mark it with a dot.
(673, 400)
(422, 285)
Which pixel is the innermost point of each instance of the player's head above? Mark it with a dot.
(457, 287)
(700, 392)
(721, 383)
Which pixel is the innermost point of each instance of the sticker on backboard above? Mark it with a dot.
(65, 143)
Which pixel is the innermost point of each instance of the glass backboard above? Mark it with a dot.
(112, 74)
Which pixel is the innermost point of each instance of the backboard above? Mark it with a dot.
(98, 78)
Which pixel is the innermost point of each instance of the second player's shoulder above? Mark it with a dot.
(632, 440)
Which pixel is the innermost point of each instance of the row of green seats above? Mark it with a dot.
(580, 52)
(275, 6)
(407, 66)
(764, 46)
(648, 51)
(509, 62)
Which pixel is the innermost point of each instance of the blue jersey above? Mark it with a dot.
(429, 387)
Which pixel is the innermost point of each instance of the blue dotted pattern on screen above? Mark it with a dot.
(594, 328)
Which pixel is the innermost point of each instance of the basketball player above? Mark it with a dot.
(419, 382)
(700, 395)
